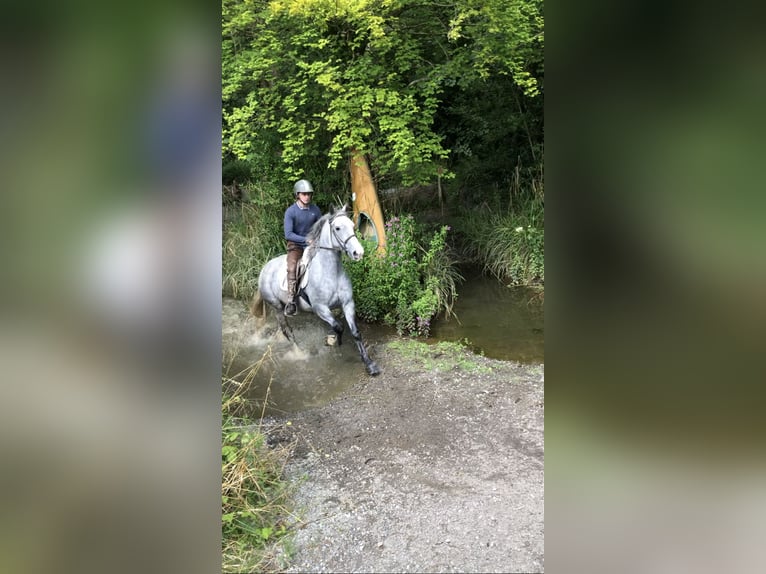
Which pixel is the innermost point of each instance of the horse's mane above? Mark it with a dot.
(316, 230)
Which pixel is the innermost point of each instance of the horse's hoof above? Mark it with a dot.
(331, 340)
(373, 369)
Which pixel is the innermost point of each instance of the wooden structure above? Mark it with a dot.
(368, 215)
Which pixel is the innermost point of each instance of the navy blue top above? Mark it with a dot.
(298, 222)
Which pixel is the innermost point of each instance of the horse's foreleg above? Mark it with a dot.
(324, 313)
(350, 314)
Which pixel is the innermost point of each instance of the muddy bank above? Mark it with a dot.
(436, 465)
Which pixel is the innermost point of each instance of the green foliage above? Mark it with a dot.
(306, 81)
(519, 252)
(439, 268)
(495, 134)
(253, 235)
(409, 285)
(236, 171)
(254, 495)
(509, 245)
(254, 498)
(505, 37)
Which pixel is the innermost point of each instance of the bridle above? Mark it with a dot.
(335, 233)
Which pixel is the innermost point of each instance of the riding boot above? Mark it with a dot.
(294, 253)
(291, 307)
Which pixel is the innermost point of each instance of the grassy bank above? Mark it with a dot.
(254, 495)
(509, 244)
(441, 357)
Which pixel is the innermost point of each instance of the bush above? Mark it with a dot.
(237, 170)
(409, 285)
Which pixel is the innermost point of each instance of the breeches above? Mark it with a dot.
(294, 254)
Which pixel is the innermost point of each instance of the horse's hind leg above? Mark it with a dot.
(285, 327)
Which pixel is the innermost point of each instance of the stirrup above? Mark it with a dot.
(291, 309)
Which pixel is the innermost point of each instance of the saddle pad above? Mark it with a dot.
(300, 270)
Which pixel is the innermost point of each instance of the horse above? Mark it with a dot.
(327, 285)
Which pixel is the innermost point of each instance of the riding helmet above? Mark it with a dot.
(302, 186)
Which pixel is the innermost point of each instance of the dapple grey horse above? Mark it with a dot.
(327, 286)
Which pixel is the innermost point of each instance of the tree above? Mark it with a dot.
(308, 80)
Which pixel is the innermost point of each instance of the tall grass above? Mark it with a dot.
(251, 237)
(439, 268)
(254, 495)
(508, 244)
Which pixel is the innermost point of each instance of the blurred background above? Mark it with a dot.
(655, 317)
(110, 172)
(111, 281)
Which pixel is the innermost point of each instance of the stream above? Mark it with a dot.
(494, 320)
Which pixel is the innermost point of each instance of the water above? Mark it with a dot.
(294, 377)
(499, 322)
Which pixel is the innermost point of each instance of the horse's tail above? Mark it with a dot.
(258, 306)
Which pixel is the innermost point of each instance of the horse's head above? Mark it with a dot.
(342, 228)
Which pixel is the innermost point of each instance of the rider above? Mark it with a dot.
(299, 218)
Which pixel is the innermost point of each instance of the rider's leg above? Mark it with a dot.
(294, 254)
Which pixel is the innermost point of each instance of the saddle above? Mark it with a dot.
(300, 275)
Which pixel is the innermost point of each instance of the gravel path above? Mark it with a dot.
(434, 466)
